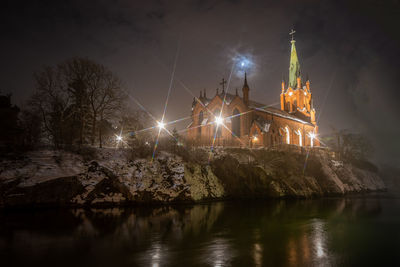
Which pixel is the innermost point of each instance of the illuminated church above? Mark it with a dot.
(247, 123)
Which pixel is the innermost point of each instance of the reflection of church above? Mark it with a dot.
(244, 122)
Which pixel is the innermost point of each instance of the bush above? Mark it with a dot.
(365, 165)
(87, 152)
(141, 150)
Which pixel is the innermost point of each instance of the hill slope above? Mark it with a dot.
(113, 177)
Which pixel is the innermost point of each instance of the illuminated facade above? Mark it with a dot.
(247, 123)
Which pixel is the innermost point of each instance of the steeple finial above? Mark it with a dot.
(291, 33)
(245, 80)
(201, 94)
(205, 93)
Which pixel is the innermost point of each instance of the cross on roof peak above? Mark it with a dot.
(291, 33)
(223, 84)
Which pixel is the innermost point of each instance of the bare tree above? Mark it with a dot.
(107, 103)
(349, 145)
(52, 102)
(30, 121)
(76, 74)
(74, 97)
(356, 146)
(136, 124)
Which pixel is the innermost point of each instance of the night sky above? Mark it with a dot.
(349, 49)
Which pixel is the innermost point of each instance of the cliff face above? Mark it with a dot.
(63, 178)
(284, 174)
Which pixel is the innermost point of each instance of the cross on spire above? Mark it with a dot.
(223, 84)
(291, 33)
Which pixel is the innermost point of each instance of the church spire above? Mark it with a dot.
(294, 69)
(245, 90)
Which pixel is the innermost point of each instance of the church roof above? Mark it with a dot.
(228, 98)
(294, 69)
(279, 113)
(257, 106)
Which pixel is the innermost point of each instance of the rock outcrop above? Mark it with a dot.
(59, 178)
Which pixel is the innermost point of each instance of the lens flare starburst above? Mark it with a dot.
(161, 125)
(219, 120)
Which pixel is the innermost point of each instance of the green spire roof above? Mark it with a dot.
(294, 69)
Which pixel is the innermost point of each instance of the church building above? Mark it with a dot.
(236, 120)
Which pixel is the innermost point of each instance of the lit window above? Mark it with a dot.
(287, 135)
(300, 138)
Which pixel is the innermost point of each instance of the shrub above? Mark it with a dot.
(140, 150)
(87, 152)
(365, 165)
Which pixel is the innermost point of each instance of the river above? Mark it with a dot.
(356, 231)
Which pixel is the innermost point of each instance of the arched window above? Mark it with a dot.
(201, 117)
(217, 127)
(236, 122)
(311, 135)
(300, 137)
(287, 135)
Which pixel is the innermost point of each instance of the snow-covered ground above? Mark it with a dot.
(112, 177)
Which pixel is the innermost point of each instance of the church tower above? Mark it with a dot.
(297, 97)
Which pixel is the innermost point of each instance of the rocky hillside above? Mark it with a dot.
(113, 177)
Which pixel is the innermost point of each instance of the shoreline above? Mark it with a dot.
(379, 194)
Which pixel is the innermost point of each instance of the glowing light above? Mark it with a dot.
(219, 120)
(312, 137)
(290, 93)
(119, 138)
(255, 138)
(161, 125)
(243, 63)
(305, 93)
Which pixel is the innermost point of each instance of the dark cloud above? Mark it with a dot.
(349, 49)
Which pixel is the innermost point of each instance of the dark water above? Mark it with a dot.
(329, 232)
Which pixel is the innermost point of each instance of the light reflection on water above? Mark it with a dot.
(333, 232)
(319, 241)
(219, 253)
